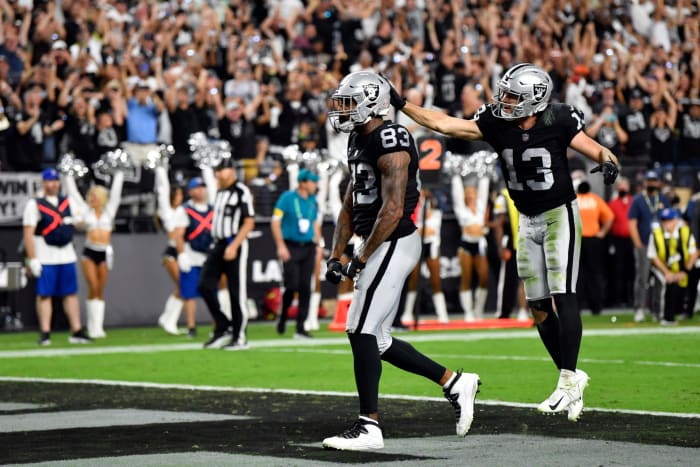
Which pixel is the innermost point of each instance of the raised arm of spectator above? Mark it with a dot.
(23, 126)
(268, 97)
(201, 93)
(266, 27)
(11, 96)
(671, 110)
(160, 106)
(430, 26)
(51, 84)
(9, 15)
(158, 67)
(457, 17)
(171, 98)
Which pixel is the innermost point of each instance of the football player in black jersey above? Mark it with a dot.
(531, 136)
(378, 204)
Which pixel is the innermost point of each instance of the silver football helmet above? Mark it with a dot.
(359, 97)
(522, 91)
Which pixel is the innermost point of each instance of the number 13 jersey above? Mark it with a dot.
(364, 151)
(534, 162)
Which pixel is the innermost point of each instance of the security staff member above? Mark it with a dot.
(672, 251)
(51, 258)
(192, 233)
(297, 233)
(232, 222)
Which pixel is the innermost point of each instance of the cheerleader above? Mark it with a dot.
(96, 215)
(469, 203)
(169, 198)
(429, 228)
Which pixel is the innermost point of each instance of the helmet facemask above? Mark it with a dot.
(346, 113)
(509, 104)
(360, 96)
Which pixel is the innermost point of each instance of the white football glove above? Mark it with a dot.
(35, 267)
(184, 263)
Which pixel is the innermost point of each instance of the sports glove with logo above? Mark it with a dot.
(396, 99)
(609, 171)
(351, 269)
(334, 271)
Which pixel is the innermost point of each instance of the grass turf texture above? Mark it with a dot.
(655, 372)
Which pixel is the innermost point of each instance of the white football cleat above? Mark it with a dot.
(568, 396)
(576, 407)
(363, 435)
(461, 393)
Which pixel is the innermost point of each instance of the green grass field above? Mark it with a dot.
(632, 367)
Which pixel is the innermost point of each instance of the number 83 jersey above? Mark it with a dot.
(534, 162)
(364, 152)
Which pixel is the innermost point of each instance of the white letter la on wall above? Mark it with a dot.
(271, 272)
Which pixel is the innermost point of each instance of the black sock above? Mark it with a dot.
(549, 329)
(570, 329)
(368, 369)
(403, 355)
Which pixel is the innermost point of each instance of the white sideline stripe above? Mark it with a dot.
(277, 343)
(297, 392)
(512, 358)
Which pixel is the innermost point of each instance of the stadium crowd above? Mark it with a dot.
(88, 76)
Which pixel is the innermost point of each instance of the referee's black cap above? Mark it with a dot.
(226, 163)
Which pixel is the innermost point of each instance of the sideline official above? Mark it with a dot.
(297, 234)
(51, 258)
(234, 218)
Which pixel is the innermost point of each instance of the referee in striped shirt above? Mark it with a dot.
(232, 222)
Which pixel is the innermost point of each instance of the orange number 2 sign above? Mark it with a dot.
(431, 150)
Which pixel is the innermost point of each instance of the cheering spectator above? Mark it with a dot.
(143, 108)
(12, 41)
(236, 126)
(636, 124)
(186, 104)
(663, 137)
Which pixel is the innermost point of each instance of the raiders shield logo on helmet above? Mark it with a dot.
(372, 91)
(538, 90)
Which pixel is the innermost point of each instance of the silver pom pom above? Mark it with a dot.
(69, 165)
(112, 161)
(159, 157)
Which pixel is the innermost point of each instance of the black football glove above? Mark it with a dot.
(334, 271)
(352, 268)
(397, 100)
(609, 171)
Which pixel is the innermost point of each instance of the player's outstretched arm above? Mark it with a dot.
(593, 150)
(443, 123)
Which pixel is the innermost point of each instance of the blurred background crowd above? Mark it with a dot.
(86, 76)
